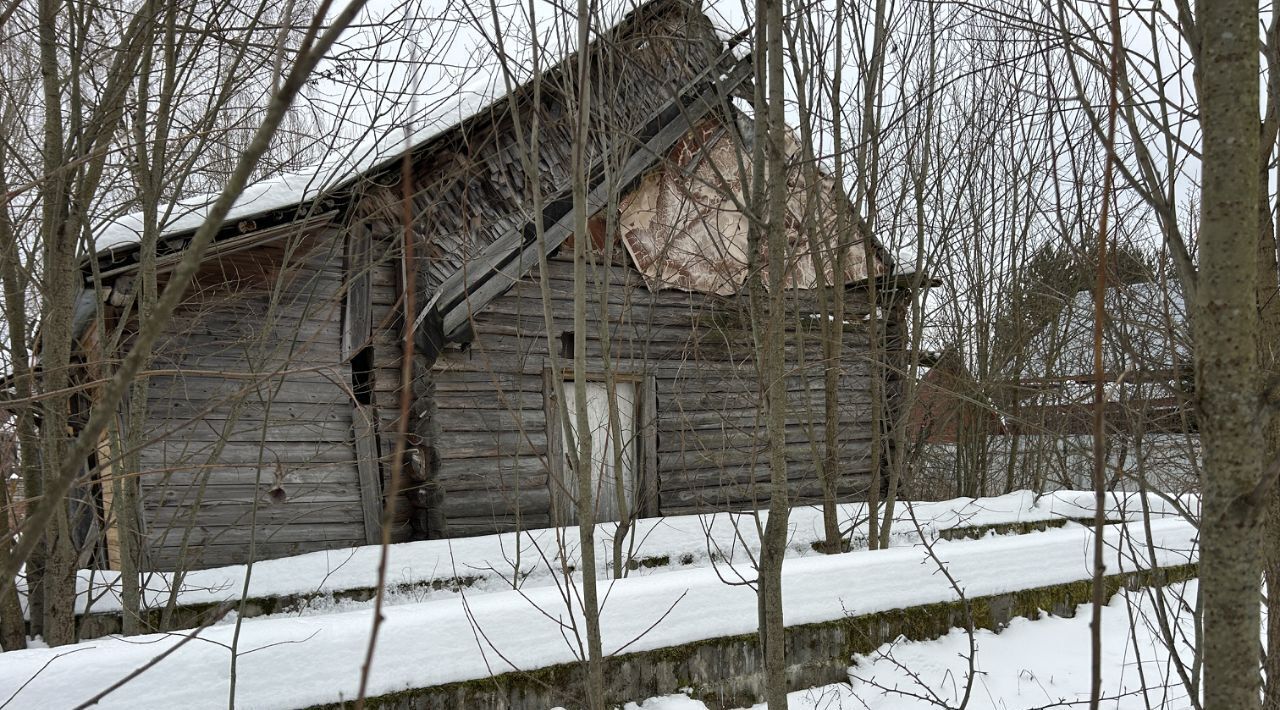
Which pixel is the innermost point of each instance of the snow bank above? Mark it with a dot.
(1030, 664)
(296, 662)
(532, 558)
(1038, 663)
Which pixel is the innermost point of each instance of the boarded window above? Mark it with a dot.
(613, 451)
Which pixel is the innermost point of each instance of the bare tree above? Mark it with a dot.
(767, 288)
(1227, 370)
(78, 140)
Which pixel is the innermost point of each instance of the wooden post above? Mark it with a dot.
(366, 440)
(356, 332)
(647, 430)
(561, 493)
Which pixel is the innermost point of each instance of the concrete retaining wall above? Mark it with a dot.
(728, 672)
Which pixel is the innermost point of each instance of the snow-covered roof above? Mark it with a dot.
(187, 214)
(420, 70)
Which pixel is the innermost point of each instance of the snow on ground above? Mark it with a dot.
(477, 635)
(1030, 664)
(531, 558)
(1038, 663)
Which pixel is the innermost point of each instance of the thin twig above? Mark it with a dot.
(37, 674)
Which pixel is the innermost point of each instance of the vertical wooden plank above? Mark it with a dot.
(648, 432)
(370, 480)
(106, 472)
(561, 502)
(356, 330)
(359, 307)
(386, 285)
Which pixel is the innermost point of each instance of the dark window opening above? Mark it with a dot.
(566, 344)
(362, 375)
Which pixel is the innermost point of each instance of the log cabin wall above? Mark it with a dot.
(249, 423)
(700, 439)
(470, 187)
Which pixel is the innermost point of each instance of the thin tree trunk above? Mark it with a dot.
(59, 291)
(1269, 309)
(15, 284)
(1227, 374)
(1099, 379)
(1268, 299)
(581, 242)
(865, 164)
(770, 308)
(13, 632)
(149, 165)
(828, 254)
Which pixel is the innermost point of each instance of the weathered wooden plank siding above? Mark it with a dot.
(471, 187)
(251, 442)
(710, 443)
(388, 321)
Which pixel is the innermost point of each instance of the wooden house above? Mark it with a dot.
(1148, 377)
(275, 395)
(949, 404)
(1147, 364)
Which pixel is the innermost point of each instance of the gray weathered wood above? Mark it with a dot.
(359, 305)
(648, 429)
(238, 243)
(356, 335)
(366, 442)
(561, 502)
(499, 273)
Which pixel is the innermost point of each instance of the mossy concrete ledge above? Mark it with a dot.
(973, 532)
(728, 671)
(1020, 527)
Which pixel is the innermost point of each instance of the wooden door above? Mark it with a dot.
(613, 457)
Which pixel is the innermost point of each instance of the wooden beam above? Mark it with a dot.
(648, 432)
(561, 508)
(357, 325)
(358, 318)
(366, 441)
(509, 258)
(231, 245)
